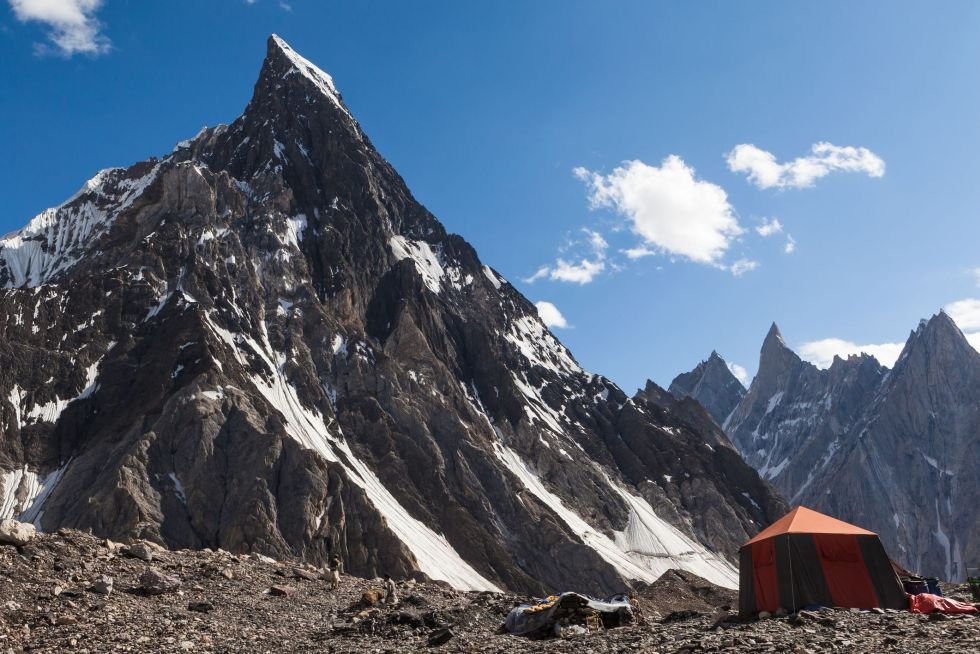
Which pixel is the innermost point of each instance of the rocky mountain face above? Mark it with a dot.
(894, 451)
(713, 385)
(262, 342)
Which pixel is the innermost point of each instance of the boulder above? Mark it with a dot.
(103, 585)
(140, 550)
(154, 582)
(300, 573)
(13, 532)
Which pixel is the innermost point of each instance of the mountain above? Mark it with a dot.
(713, 385)
(892, 450)
(262, 342)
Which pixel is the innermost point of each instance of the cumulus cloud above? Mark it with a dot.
(769, 227)
(550, 315)
(763, 170)
(743, 266)
(790, 246)
(821, 353)
(580, 270)
(740, 373)
(966, 315)
(638, 252)
(72, 25)
(668, 207)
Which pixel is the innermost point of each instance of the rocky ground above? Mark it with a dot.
(53, 598)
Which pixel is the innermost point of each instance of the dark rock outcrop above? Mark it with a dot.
(262, 343)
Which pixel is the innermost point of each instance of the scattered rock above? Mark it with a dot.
(200, 607)
(439, 637)
(141, 551)
(154, 582)
(300, 573)
(282, 591)
(103, 585)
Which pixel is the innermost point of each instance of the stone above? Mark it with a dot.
(300, 573)
(227, 573)
(154, 582)
(13, 532)
(141, 551)
(200, 607)
(280, 590)
(439, 637)
(103, 585)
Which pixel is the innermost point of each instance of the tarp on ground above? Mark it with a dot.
(928, 603)
(543, 614)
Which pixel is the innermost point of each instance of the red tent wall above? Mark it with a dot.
(845, 571)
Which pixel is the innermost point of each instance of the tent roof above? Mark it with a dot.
(802, 520)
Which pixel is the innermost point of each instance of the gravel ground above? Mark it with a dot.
(229, 603)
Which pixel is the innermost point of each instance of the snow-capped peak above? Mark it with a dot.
(322, 80)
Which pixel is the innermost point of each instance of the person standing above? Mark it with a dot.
(391, 595)
(336, 565)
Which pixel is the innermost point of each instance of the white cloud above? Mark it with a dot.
(765, 171)
(540, 273)
(821, 353)
(976, 275)
(965, 313)
(743, 266)
(73, 27)
(285, 6)
(550, 315)
(740, 373)
(790, 246)
(769, 227)
(638, 252)
(667, 207)
(583, 271)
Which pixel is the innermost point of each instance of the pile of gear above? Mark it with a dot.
(571, 614)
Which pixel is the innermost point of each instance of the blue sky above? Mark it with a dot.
(542, 130)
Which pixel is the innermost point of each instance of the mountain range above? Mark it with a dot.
(894, 450)
(262, 342)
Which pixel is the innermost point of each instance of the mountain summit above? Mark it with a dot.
(262, 342)
(713, 385)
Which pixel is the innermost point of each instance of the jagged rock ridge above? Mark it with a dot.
(713, 385)
(892, 450)
(262, 342)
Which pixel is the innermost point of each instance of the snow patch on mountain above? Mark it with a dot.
(644, 550)
(426, 261)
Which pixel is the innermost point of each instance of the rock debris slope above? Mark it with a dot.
(895, 451)
(262, 342)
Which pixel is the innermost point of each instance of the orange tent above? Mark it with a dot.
(807, 558)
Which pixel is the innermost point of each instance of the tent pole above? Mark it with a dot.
(792, 589)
